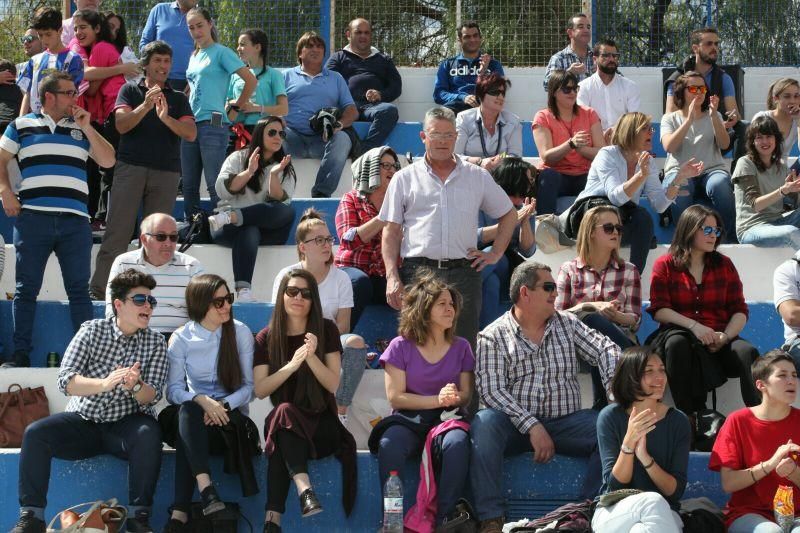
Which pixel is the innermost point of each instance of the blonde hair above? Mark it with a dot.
(777, 87)
(627, 128)
(588, 223)
(311, 219)
(417, 304)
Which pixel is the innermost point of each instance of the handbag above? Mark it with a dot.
(101, 517)
(465, 520)
(19, 407)
(707, 424)
(224, 521)
(549, 236)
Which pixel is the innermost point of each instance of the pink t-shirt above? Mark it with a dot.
(573, 164)
(101, 104)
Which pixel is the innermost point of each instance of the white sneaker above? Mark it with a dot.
(220, 219)
(244, 295)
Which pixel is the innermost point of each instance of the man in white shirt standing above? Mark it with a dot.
(606, 91)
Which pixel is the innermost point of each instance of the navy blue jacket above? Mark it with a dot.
(375, 72)
(457, 77)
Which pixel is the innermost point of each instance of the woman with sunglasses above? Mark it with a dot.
(296, 364)
(210, 385)
(488, 132)
(696, 131)
(603, 290)
(429, 371)
(696, 296)
(255, 187)
(761, 183)
(567, 137)
(359, 229)
(623, 172)
(315, 250)
(643, 445)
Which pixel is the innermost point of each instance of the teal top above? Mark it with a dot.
(270, 87)
(209, 73)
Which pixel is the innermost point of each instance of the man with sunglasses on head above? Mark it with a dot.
(113, 371)
(526, 375)
(576, 58)
(172, 271)
(152, 119)
(607, 91)
(51, 148)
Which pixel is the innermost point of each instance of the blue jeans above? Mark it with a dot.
(398, 443)
(382, 117)
(202, 157)
(784, 231)
(354, 362)
(36, 236)
(755, 523)
(552, 185)
(333, 155)
(494, 436)
(714, 186)
(366, 290)
(259, 225)
(135, 438)
(793, 349)
(494, 278)
(611, 330)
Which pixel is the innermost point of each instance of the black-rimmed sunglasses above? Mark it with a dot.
(608, 228)
(496, 92)
(161, 237)
(292, 292)
(219, 301)
(567, 89)
(279, 133)
(140, 299)
(547, 286)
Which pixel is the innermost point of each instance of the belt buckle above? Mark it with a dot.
(439, 264)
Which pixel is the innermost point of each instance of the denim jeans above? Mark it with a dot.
(552, 185)
(647, 512)
(784, 232)
(603, 325)
(714, 186)
(793, 349)
(36, 235)
(382, 118)
(202, 157)
(494, 278)
(135, 438)
(366, 290)
(399, 443)
(260, 225)
(755, 523)
(333, 155)
(494, 436)
(354, 362)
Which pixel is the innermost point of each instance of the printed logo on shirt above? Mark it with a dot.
(76, 134)
(464, 70)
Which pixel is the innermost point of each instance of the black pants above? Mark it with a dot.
(99, 179)
(735, 359)
(291, 456)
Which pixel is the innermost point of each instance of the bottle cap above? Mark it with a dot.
(392, 472)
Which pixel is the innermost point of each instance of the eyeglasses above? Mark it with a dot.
(567, 89)
(279, 133)
(72, 93)
(219, 301)
(319, 241)
(27, 39)
(615, 55)
(389, 166)
(140, 299)
(608, 228)
(697, 89)
(496, 92)
(440, 136)
(161, 237)
(547, 286)
(292, 292)
(708, 230)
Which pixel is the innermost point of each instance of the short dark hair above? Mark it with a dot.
(50, 83)
(5, 64)
(571, 24)
(605, 41)
(489, 82)
(128, 280)
(468, 24)
(697, 35)
(153, 48)
(764, 125)
(47, 18)
(309, 38)
(763, 366)
(527, 274)
(512, 176)
(681, 83)
(559, 78)
(626, 384)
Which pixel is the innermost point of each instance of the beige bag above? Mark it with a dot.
(101, 517)
(549, 237)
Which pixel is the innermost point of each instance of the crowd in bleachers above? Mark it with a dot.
(95, 138)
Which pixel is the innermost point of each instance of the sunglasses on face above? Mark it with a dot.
(219, 301)
(389, 166)
(547, 286)
(697, 89)
(567, 89)
(292, 292)
(140, 299)
(161, 237)
(29, 39)
(708, 230)
(496, 92)
(608, 228)
(319, 241)
(279, 133)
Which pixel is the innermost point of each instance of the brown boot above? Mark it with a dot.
(492, 525)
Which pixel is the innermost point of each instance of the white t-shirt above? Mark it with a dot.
(335, 291)
(786, 285)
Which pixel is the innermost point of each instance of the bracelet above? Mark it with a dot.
(763, 469)
(780, 190)
(752, 475)
(651, 463)
(694, 323)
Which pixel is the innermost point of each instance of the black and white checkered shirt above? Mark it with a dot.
(563, 59)
(529, 381)
(99, 348)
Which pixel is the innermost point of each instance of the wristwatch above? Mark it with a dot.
(626, 450)
(136, 388)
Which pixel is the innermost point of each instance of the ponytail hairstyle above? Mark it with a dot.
(311, 219)
(206, 14)
(258, 37)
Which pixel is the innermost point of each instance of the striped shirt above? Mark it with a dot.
(171, 281)
(52, 160)
(32, 74)
(530, 382)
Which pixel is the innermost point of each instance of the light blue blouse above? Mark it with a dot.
(193, 354)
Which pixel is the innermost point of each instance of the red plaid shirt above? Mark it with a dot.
(579, 282)
(353, 211)
(712, 303)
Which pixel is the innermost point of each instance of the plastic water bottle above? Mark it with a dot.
(393, 504)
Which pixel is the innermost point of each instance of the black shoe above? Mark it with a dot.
(20, 359)
(272, 527)
(139, 523)
(28, 523)
(309, 504)
(211, 501)
(174, 526)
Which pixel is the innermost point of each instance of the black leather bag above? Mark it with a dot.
(707, 424)
(224, 521)
(464, 521)
(580, 207)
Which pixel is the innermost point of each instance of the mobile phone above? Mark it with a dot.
(216, 119)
